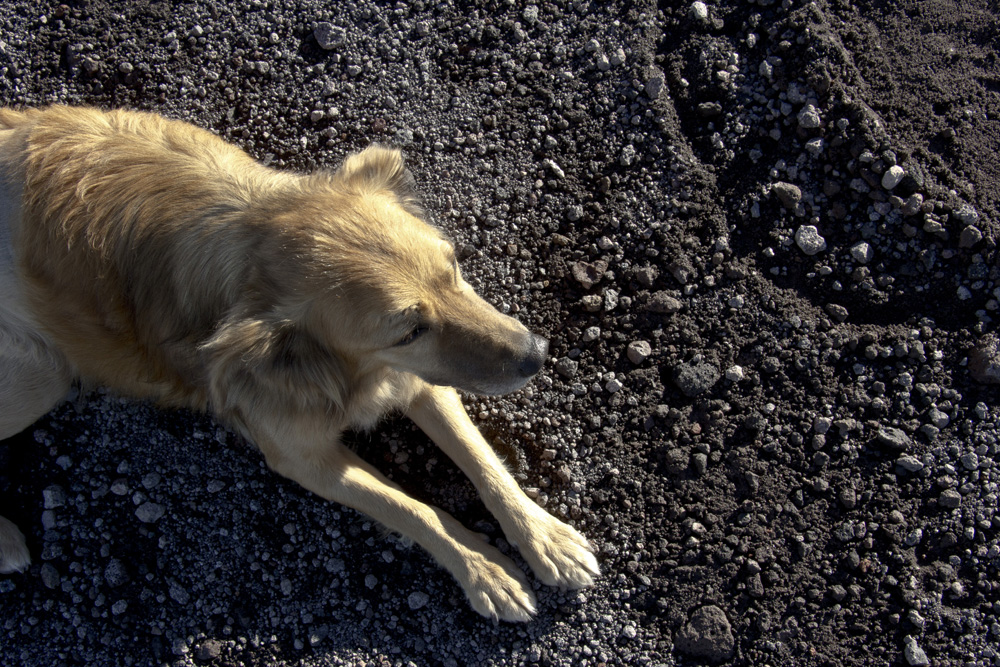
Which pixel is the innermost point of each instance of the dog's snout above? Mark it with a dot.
(538, 348)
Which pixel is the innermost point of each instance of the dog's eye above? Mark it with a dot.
(412, 336)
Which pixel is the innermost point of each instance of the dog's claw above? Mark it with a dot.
(497, 589)
(558, 553)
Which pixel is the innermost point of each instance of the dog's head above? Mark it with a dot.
(395, 295)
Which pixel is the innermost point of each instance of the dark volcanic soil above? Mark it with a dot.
(761, 237)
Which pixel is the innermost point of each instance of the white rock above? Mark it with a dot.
(914, 655)
(892, 176)
(699, 11)
(862, 252)
(809, 118)
(809, 241)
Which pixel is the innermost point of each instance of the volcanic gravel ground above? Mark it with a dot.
(761, 237)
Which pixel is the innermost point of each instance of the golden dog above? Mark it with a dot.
(152, 257)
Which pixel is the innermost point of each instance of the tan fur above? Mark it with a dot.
(152, 257)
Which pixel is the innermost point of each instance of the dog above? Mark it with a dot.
(152, 257)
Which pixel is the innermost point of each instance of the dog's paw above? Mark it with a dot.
(558, 553)
(496, 588)
(14, 556)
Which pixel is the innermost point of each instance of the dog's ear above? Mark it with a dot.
(378, 168)
(256, 361)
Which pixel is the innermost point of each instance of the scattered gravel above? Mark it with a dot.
(762, 240)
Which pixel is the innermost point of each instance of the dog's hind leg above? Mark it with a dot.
(32, 380)
(496, 588)
(558, 554)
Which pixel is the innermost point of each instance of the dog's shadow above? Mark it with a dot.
(163, 527)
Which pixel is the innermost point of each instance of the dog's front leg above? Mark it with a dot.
(496, 588)
(558, 554)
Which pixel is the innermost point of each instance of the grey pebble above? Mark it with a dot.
(638, 351)
(663, 303)
(950, 499)
(984, 360)
(969, 237)
(914, 655)
(329, 36)
(567, 367)
(910, 463)
(50, 576)
(809, 118)
(115, 573)
(589, 274)
(892, 177)
(150, 512)
(808, 238)
(893, 438)
(696, 376)
(788, 194)
(53, 497)
(707, 635)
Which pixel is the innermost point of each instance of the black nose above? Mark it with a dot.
(532, 362)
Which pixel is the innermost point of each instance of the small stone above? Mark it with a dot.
(655, 84)
(699, 11)
(647, 275)
(317, 115)
(329, 36)
(115, 573)
(663, 303)
(809, 118)
(967, 214)
(912, 205)
(418, 600)
(892, 177)
(150, 512)
(809, 241)
(53, 497)
(914, 655)
(50, 576)
(910, 463)
(815, 146)
(950, 499)
(938, 418)
(707, 635)
(696, 376)
(984, 360)
(970, 461)
(590, 334)
(969, 237)
(638, 351)
(592, 302)
(613, 386)
(208, 650)
(836, 311)
(556, 170)
(788, 194)
(734, 373)
(589, 274)
(893, 438)
(699, 462)
(178, 593)
(567, 367)
(862, 252)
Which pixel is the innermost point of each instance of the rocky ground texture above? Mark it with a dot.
(762, 238)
